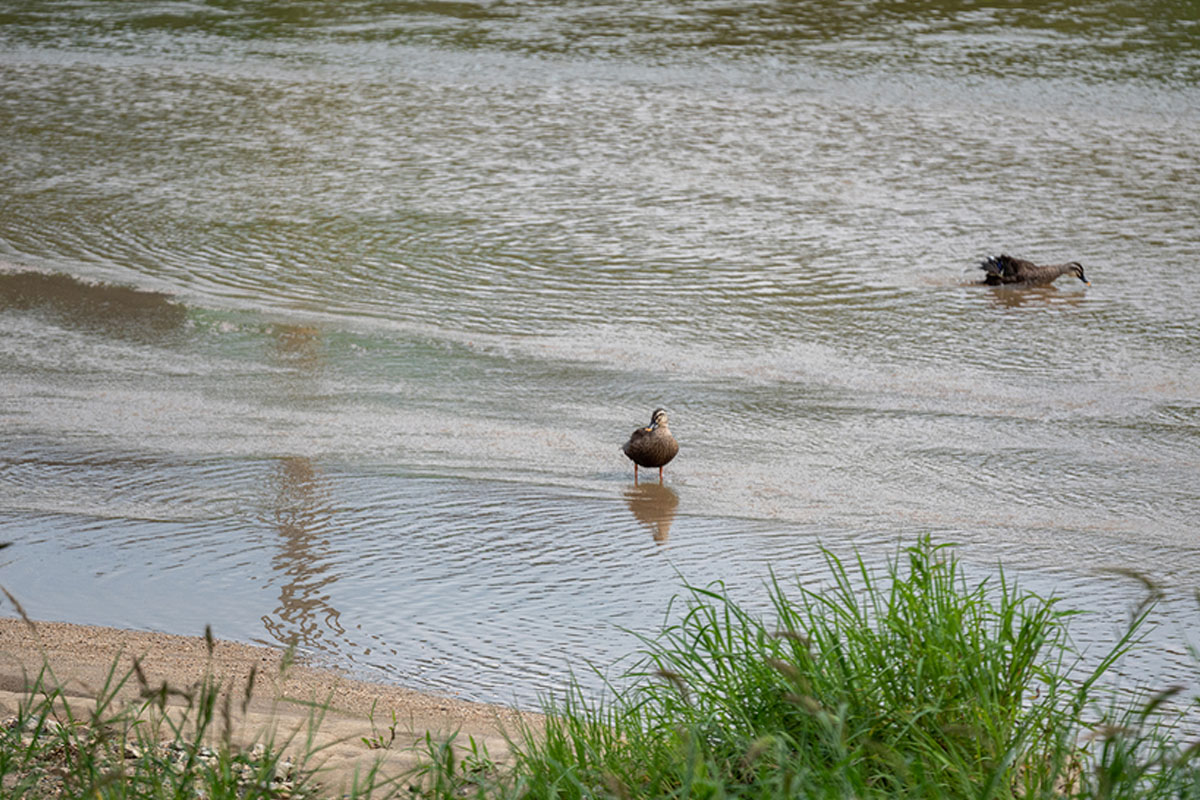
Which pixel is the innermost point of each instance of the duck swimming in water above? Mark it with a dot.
(652, 446)
(1004, 269)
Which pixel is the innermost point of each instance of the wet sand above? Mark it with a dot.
(82, 658)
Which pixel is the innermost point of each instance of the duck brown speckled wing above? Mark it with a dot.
(651, 447)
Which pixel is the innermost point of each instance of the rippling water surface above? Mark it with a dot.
(323, 322)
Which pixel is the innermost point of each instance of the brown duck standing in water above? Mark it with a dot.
(652, 446)
(1004, 269)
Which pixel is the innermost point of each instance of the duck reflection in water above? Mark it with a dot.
(1010, 297)
(654, 506)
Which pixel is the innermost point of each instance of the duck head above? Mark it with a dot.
(659, 417)
(1076, 269)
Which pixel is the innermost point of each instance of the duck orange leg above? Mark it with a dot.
(660, 476)
(635, 483)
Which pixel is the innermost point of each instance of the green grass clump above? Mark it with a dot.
(916, 685)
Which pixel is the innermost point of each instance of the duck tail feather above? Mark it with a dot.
(997, 265)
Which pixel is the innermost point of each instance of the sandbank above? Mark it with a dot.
(81, 658)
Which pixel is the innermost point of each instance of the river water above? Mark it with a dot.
(324, 322)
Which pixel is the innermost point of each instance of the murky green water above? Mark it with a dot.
(323, 322)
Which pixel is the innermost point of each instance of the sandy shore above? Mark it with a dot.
(82, 657)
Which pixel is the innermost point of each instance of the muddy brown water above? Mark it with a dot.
(324, 325)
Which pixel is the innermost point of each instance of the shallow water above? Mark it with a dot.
(324, 324)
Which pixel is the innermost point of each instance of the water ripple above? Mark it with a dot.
(339, 320)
